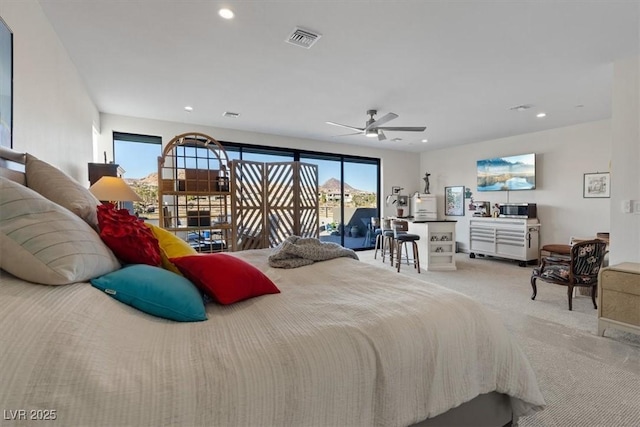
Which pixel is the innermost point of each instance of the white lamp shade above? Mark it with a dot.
(113, 189)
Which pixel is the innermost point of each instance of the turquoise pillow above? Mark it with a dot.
(154, 290)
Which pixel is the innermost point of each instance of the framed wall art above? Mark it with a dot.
(596, 185)
(6, 85)
(454, 201)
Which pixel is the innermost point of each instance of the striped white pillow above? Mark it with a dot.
(43, 242)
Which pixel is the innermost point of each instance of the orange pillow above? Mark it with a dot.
(225, 278)
(127, 236)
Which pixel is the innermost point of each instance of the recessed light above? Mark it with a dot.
(424, 141)
(231, 114)
(541, 115)
(188, 108)
(226, 13)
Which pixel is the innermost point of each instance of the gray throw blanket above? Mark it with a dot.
(298, 251)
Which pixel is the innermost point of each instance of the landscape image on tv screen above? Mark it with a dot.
(507, 173)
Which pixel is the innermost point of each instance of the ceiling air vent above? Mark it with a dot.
(522, 107)
(303, 38)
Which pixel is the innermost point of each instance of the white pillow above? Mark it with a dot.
(43, 242)
(60, 188)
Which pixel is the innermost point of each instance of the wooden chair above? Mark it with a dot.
(581, 269)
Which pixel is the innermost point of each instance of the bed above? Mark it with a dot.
(342, 344)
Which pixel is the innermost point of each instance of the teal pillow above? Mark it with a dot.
(154, 290)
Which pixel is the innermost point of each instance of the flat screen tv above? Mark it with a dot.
(507, 173)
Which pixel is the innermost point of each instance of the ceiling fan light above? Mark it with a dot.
(226, 13)
(371, 133)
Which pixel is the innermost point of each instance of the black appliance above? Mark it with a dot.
(518, 210)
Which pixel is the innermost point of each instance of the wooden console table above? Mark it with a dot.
(619, 298)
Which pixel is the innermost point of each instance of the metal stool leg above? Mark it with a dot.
(416, 256)
(387, 248)
(399, 255)
(379, 245)
(393, 246)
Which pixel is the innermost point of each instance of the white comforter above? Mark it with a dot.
(344, 344)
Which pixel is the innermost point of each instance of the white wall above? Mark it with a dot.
(625, 160)
(53, 115)
(397, 168)
(562, 157)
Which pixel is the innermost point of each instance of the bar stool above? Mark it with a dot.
(373, 229)
(384, 240)
(400, 238)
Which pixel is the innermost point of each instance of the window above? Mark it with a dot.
(348, 198)
(348, 194)
(138, 155)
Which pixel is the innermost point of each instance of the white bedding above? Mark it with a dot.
(343, 344)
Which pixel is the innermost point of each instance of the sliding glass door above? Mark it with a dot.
(348, 198)
(348, 193)
(360, 201)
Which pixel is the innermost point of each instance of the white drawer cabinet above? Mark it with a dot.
(511, 238)
(437, 244)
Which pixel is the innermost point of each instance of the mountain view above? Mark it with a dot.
(332, 185)
(147, 189)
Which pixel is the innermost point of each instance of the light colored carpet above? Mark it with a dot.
(587, 380)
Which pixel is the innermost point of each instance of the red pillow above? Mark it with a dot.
(225, 278)
(127, 236)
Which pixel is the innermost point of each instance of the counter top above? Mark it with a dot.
(410, 219)
(433, 220)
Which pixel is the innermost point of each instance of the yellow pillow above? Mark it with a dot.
(171, 246)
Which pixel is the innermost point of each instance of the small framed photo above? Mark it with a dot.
(596, 185)
(454, 201)
(396, 190)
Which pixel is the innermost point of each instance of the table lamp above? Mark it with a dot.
(113, 189)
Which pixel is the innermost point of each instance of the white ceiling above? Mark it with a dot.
(456, 67)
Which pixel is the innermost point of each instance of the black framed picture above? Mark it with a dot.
(454, 201)
(6, 85)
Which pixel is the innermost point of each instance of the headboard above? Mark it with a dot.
(12, 165)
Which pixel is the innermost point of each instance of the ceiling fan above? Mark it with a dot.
(373, 129)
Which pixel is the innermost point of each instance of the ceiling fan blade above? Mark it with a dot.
(347, 134)
(346, 126)
(405, 128)
(381, 135)
(384, 119)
